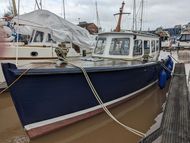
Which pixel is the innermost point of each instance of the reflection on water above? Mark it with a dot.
(138, 113)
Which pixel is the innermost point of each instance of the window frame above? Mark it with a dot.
(113, 52)
(157, 45)
(36, 35)
(49, 39)
(153, 46)
(137, 54)
(102, 49)
(148, 45)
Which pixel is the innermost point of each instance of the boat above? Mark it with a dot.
(184, 39)
(165, 39)
(43, 42)
(49, 96)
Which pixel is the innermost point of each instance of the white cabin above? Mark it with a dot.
(40, 45)
(184, 40)
(126, 45)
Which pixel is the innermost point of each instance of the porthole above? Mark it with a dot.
(34, 54)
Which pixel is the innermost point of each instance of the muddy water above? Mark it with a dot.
(138, 113)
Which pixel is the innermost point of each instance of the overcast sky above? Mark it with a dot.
(165, 13)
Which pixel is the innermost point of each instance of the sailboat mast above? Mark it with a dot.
(64, 9)
(40, 4)
(118, 27)
(134, 16)
(14, 7)
(97, 15)
(142, 11)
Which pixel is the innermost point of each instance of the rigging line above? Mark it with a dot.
(139, 8)
(174, 59)
(17, 33)
(37, 4)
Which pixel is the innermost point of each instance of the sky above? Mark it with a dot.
(165, 13)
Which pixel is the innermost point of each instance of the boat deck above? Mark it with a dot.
(83, 62)
(175, 127)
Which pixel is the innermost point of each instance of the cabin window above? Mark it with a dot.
(39, 36)
(164, 38)
(146, 47)
(157, 45)
(185, 37)
(49, 39)
(120, 46)
(100, 46)
(153, 46)
(188, 37)
(31, 38)
(182, 38)
(137, 48)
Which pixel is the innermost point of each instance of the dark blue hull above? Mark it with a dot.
(42, 95)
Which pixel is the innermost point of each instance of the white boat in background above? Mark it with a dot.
(165, 41)
(48, 32)
(184, 39)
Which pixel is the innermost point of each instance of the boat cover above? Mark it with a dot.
(61, 29)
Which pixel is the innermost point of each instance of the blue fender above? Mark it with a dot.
(168, 73)
(162, 79)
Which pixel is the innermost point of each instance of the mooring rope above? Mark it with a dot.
(14, 81)
(172, 73)
(174, 59)
(19, 77)
(101, 102)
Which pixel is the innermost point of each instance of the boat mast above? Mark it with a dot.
(97, 16)
(64, 9)
(142, 10)
(118, 27)
(134, 28)
(14, 7)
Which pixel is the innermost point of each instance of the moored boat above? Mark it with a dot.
(48, 96)
(45, 29)
(184, 39)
